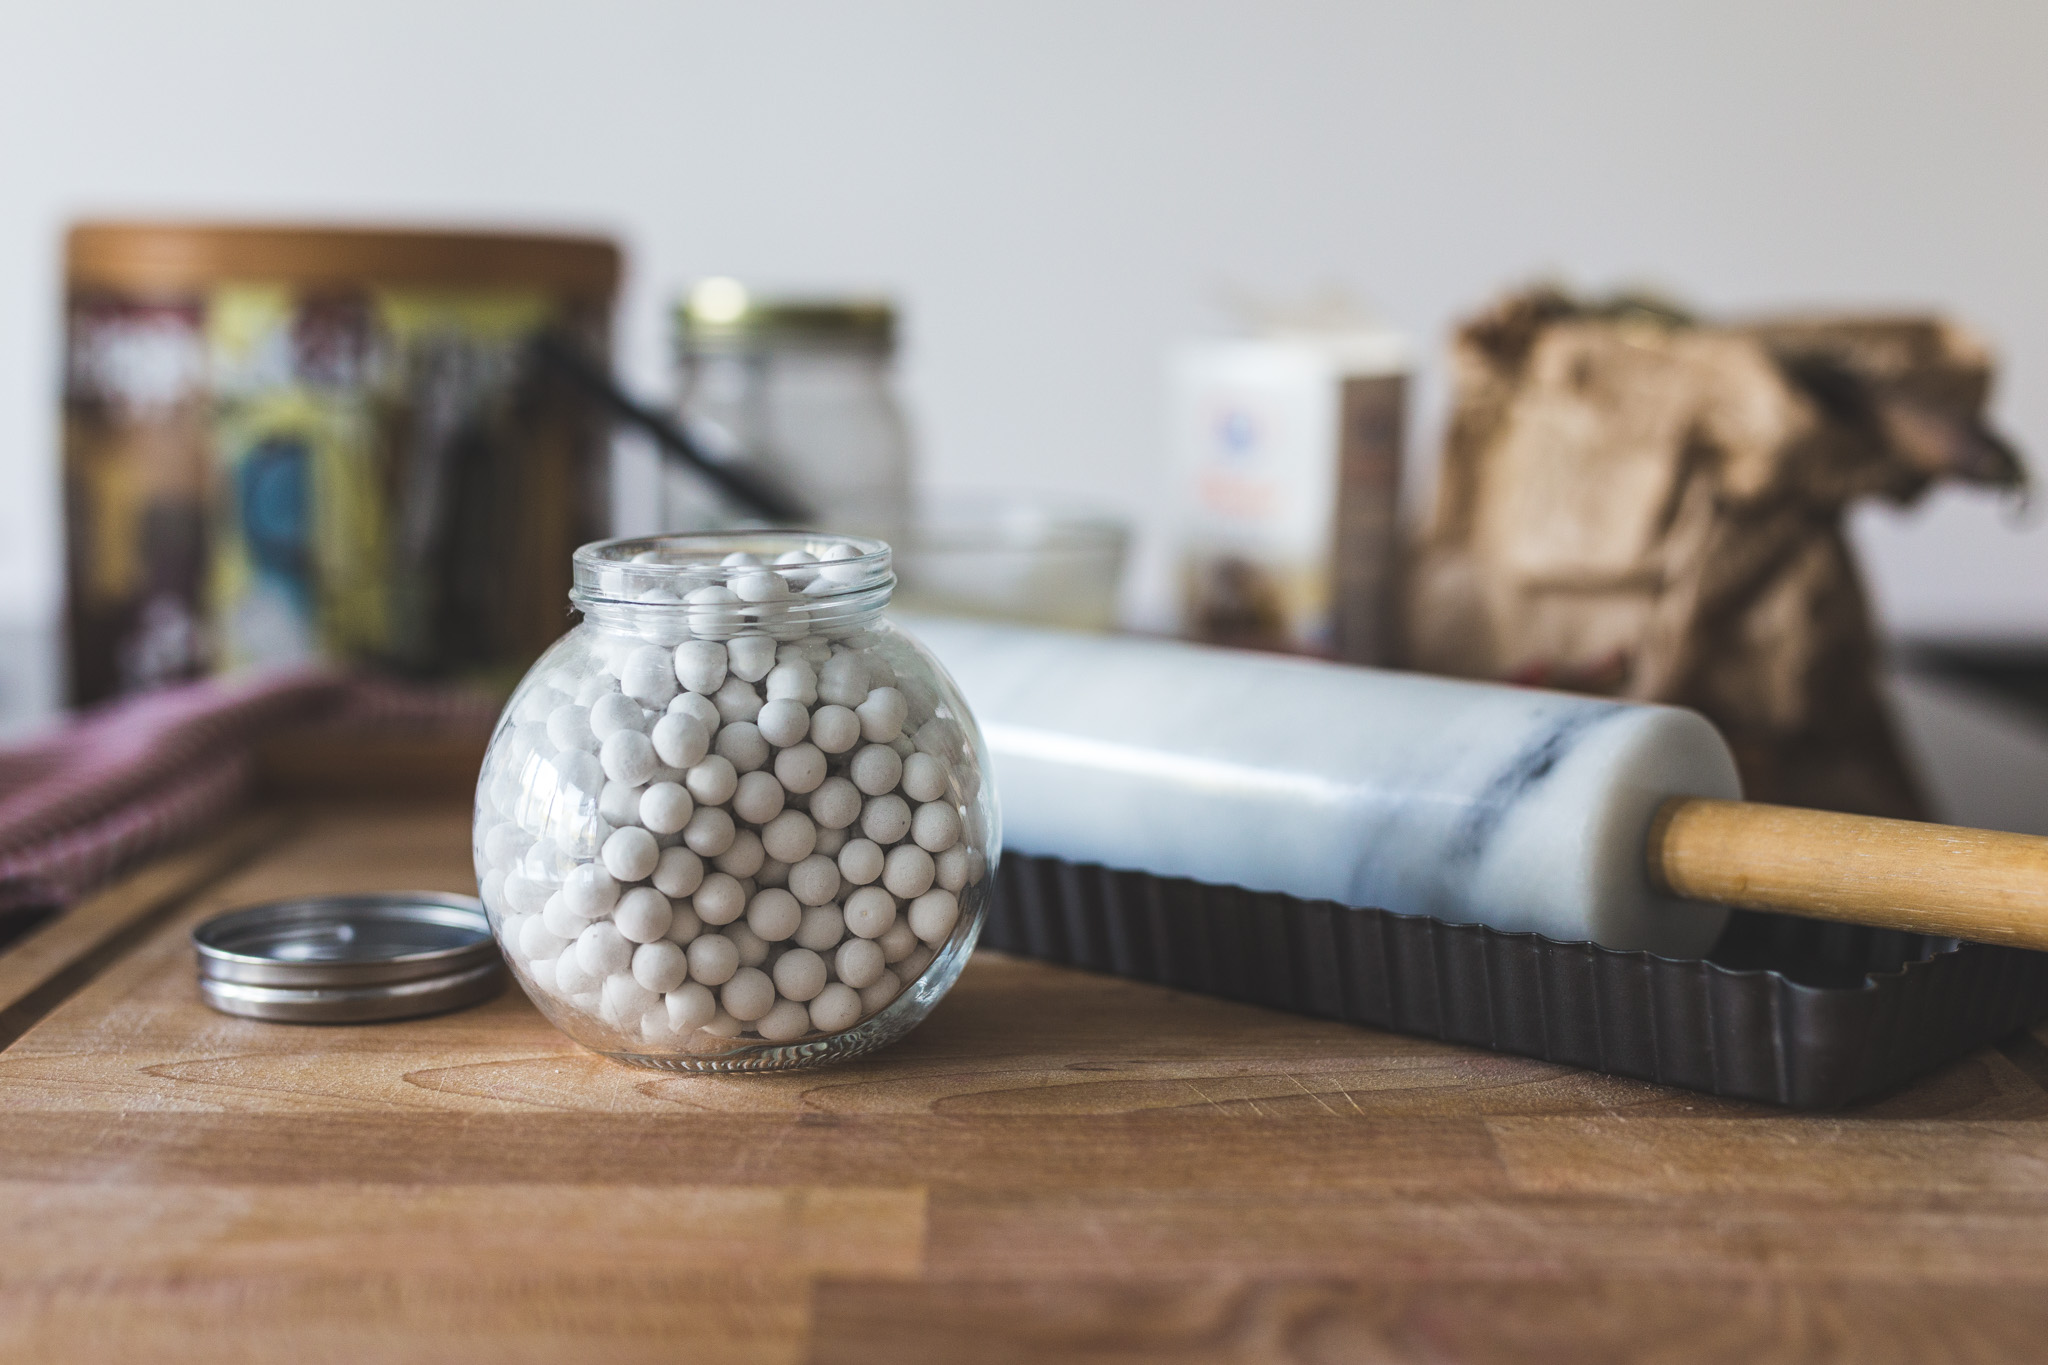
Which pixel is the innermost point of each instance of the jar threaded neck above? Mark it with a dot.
(721, 584)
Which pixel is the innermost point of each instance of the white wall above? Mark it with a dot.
(1057, 190)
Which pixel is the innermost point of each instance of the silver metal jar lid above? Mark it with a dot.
(349, 959)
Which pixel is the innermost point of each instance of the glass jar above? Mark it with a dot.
(1000, 557)
(287, 443)
(735, 820)
(799, 388)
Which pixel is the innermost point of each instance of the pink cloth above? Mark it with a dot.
(131, 778)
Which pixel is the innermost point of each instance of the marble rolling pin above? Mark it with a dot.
(1576, 818)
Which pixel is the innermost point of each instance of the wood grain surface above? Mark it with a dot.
(37, 973)
(1056, 1166)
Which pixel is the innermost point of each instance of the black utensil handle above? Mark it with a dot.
(757, 494)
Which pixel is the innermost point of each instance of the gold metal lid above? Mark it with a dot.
(721, 313)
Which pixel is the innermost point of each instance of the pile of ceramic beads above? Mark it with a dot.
(725, 812)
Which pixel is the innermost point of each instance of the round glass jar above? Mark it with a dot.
(735, 820)
(800, 388)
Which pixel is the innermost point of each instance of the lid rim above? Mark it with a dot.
(365, 1005)
(865, 321)
(151, 257)
(273, 923)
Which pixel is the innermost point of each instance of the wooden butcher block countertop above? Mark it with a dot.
(1056, 1166)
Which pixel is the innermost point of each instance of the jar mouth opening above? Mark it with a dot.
(756, 565)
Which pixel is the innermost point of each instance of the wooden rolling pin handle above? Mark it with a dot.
(1894, 874)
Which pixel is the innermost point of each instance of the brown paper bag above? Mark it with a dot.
(1642, 506)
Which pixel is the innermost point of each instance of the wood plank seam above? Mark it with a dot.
(47, 967)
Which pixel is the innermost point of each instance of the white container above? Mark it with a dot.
(1287, 464)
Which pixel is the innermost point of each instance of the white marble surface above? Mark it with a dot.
(1505, 806)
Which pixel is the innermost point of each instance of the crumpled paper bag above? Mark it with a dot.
(1639, 505)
